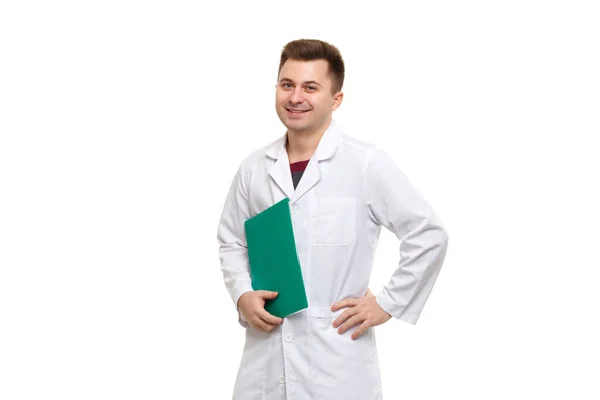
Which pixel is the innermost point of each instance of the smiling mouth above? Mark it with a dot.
(297, 111)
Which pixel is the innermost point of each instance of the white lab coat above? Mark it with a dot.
(348, 191)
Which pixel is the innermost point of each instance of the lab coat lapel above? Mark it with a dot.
(310, 177)
(280, 171)
(327, 147)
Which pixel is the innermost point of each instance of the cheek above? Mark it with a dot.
(280, 97)
(322, 103)
(320, 106)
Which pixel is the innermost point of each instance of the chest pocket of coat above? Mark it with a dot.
(333, 223)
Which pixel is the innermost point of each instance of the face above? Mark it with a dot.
(303, 100)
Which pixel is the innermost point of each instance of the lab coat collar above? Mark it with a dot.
(280, 171)
(327, 147)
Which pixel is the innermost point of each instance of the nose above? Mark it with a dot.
(296, 96)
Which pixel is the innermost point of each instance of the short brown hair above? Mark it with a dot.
(312, 49)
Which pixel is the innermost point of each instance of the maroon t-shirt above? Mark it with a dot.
(297, 169)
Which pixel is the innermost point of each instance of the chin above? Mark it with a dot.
(297, 125)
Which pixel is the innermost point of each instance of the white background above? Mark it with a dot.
(123, 122)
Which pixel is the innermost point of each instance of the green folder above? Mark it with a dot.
(274, 263)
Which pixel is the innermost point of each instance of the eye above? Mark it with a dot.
(286, 85)
(311, 88)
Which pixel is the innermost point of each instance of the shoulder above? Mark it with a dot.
(257, 156)
(358, 150)
(368, 157)
(352, 142)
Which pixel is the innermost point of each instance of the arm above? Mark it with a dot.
(233, 250)
(394, 203)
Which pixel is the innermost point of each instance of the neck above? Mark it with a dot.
(301, 145)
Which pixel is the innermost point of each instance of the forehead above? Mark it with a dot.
(299, 71)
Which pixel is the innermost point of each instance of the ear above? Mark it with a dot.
(337, 100)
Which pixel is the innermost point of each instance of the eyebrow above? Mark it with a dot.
(305, 83)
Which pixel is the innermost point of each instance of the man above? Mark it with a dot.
(341, 192)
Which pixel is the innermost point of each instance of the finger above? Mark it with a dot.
(360, 330)
(269, 318)
(344, 316)
(256, 327)
(347, 302)
(355, 320)
(266, 294)
(261, 325)
(270, 328)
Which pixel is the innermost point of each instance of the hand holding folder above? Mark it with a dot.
(274, 263)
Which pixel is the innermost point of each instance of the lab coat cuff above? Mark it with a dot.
(242, 321)
(236, 297)
(397, 312)
(239, 290)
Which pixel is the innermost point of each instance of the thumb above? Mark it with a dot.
(266, 294)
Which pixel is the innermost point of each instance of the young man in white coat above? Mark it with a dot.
(341, 191)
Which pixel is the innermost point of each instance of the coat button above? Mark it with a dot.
(288, 337)
(282, 379)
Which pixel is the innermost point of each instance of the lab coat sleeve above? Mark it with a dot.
(233, 250)
(396, 204)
